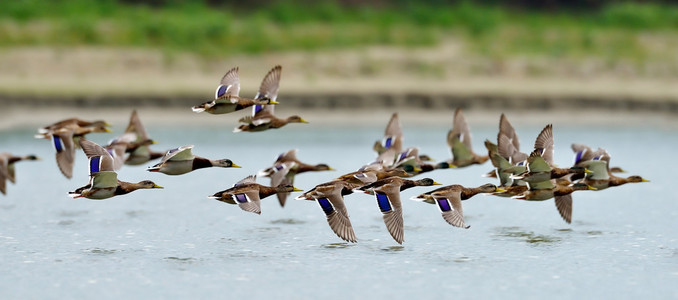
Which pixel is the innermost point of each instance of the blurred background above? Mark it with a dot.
(344, 53)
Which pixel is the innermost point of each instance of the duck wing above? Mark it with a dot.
(564, 206)
(229, 87)
(268, 90)
(388, 200)
(449, 204)
(65, 155)
(179, 154)
(544, 144)
(135, 126)
(3, 174)
(332, 204)
(104, 179)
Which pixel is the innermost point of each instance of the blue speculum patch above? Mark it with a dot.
(241, 198)
(279, 167)
(444, 204)
(578, 157)
(402, 156)
(221, 90)
(258, 108)
(326, 205)
(387, 143)
(94, 164)
(57, 144)
(382, 201)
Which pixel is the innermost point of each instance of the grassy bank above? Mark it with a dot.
(617, 31)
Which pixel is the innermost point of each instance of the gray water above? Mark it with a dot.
(623, 241)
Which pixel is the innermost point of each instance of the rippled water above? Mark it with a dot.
(175, 242)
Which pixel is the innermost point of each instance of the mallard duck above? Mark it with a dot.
(330, 197)
(466, 193)
(459, 140)
(585, 153)
(263, 116)
(8, 170)
(45, 132)
(448, 200)
(247, 193)
(387, 192)
(226, 98)
(600, 177)
(104, 181)
(392, 143)
(285, 168)
(139, 151)
(181, 160)
(540, 166)
(64, 140)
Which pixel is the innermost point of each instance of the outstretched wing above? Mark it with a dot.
(544, 144)
(460, 128)
(391, 209)
(230, 85)
(337, 216)
(179, 154)
(449, 204)
(99, 159)
(507, 129)
(135, 126)
(564, 206)
(65, 151)
(268, 90)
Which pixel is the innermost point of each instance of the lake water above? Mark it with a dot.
(623, 242)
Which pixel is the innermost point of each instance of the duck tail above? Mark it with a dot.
(238, 129)
(199, 108)
(75, 195)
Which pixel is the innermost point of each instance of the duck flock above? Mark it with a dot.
(529, 176)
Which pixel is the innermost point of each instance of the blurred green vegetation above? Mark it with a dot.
(615, 29)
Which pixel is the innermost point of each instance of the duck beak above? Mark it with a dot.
(498, 189)
(587, 171)
(274, 102)
(107, 130)
(296, 189)
(644, 180)
(235, 166)
(592, 188)
(417, 169)
(437, 183)
(108, 124)
(302, 121)
(155, 186)
(331, 169)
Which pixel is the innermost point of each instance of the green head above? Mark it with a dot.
(225, 163)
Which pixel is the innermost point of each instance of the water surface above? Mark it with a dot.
(623, 242)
